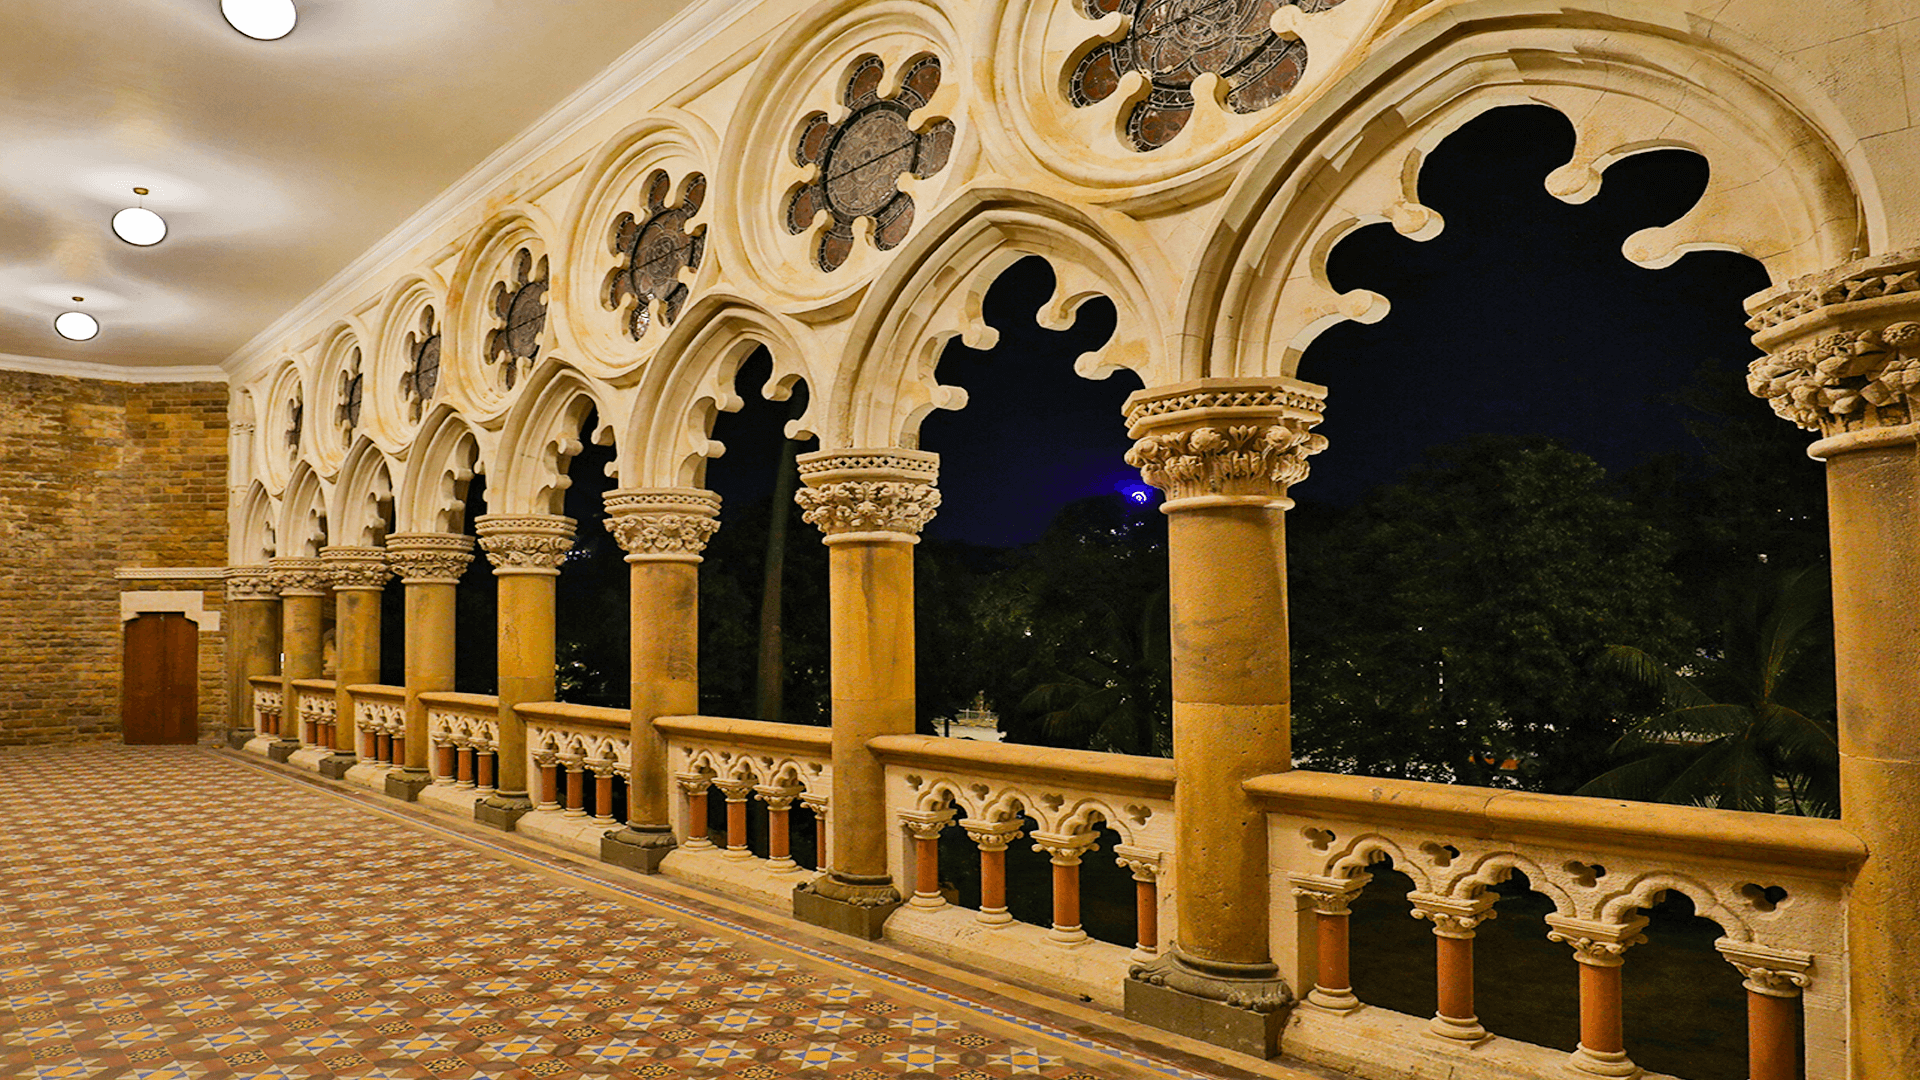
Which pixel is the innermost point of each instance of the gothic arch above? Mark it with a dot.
(251, 542)
(1781, 190)
(363, 497)
(541, 437)
(932, 292)
(303, 523)
(445, 455)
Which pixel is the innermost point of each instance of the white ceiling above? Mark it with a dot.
(274, 163)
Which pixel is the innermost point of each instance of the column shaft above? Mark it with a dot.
(431, 628)
(665, 679)
(1453, 962)
(1773, 1037)
(253, 648)
(526, 670)
(870, 590)
(357, 637)
(1601, 1027)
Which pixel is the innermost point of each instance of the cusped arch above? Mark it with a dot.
(445, 456)
(933, 290)
(1645, 890)
(691, 382)
(1495, 868)
(362, 509)
(303, 515)
(252, 542)
(1780, 189)
(1369, 848)
(540, 438)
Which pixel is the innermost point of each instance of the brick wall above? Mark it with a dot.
(95, 476)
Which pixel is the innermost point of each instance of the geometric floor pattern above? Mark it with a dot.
(271, 930)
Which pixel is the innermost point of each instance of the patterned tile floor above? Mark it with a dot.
(169, 913)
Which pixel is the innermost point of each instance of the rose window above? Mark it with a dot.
(862, 158)
(422, 376)
(352, 383)
(653, 252)
(521, 307)
(1174, 42)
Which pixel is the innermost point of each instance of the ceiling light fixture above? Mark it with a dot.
(76, 325)
(138, 225)
(262, 20)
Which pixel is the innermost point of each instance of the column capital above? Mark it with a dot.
(926, 824)
(430, 558)
(1774, 972)
(694, 783)
(777, 797)
(663, 524)
(361, 568)
(1225, 442)
(735, 788)
(1144, 863)
(1596, 943)
(1843, 352)
(878, 494)
(993, 835)
(1453, 916)
(1066, 849)
(298, 575)
(250, 583)
(525, 543)
(1329, 895)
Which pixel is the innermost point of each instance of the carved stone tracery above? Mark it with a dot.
(653, 248)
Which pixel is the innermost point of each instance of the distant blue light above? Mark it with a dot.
(1137, 494)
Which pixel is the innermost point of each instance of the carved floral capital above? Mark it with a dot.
(1843, 346)
(430, 558)
(356, 567)
(993, 835)
(1065, 849)
(1766, 970)
(1329, 895)
(669, 524)
(299, 576)
(1453, 917)
(1596, 943)
(251, 583)
(868, 494)
(525, 543)
(926, 824)
(1225, 439)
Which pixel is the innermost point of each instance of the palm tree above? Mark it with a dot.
(1113, 694)
(1746, 724)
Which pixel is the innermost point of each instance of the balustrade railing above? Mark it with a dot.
(464, 730)
(1775, 885)
(380, 718)
(267, 704)
(567, 744)
(315, 706)
(778, 764)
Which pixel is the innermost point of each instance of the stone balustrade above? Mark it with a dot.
(316, 707)
(464, 731)
(1776, 886)
(267, 704)
(380, 720)
(580, 758)
(1056, 800)
(777, 764)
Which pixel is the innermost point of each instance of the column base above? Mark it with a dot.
(335, 766)
(238, 738)
(1603, 1063)
(1463, 1029)
(407, 784)
(1238, 1007)
(500, 811)
(637, 849)
(282, 750)
(858, 908)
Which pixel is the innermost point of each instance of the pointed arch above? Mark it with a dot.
(303, 515)
(932, 292)
(363, 497)
(541, 437)
(252, 540)
(445, 455)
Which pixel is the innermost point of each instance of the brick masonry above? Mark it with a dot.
(95, 476)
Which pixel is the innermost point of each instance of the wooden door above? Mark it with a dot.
(160, 695)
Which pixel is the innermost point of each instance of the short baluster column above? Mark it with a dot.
(993, 838)
(1145, 867)
(1455, 920)
(779, 800)
(484, 768)
(736, 791)
(821, 804)
(1066, 850)
(1774, 979)
(926, 827)
(603, 774)
(576, 786)
(695, 786)
(549, 765)
(1331, 900)
(1601, 950)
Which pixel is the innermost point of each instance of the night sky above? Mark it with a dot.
(1521, 317)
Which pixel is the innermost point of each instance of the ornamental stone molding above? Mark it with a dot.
(1452, 916)
(926, 824)
(299, 576)
(357, 567)
(1225, 441)
(1843, 346)
(1774, 972)
(1328, 895)
(663, 524)
(430, 558)
(993, 835)
(525, 543)
(1065, 849)
(855, 495)
(1596, 943)
(250, 583)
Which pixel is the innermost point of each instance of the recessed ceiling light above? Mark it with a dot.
(139, 226)
(76, 326)
(263, 20)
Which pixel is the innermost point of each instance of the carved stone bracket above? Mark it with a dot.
(299, 576)
(1597, 943)
(363, 568)
(1767, 970)
(1329, 895)
(1843, 346)
(663, 524)
(1225, 441)
(250, 583)
(869, 494)
(1452, 916)
(430, 558)
(525, 543)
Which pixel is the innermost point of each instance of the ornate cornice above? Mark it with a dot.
(885, 494)
(357, 567)
(1843, 346)
(1225, 441)
(663, 524)
(525, 543)
(430, 558)
(299, 576)
(250, 583)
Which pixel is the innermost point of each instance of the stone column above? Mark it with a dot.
(779, 800)
(1224, 451)
(663, 531)
(736, 790)
(1774, 979)
(821, 805)
(1455, 921)
(871, 504)
(359, 576)
(253, 644)
(1065, 850)
(695, 787)
(526, 551)
(1843, 360)
(993, 838)
(1601, 950)
(429, 565)
(302, 583)
(926, 827)
(1332, 902)
(1145, 867)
